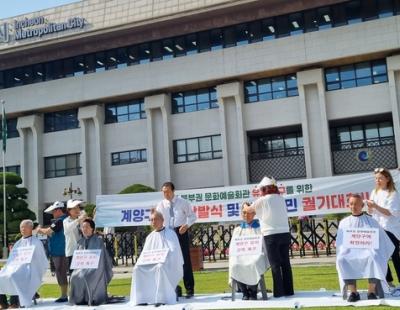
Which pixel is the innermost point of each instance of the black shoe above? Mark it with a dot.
(143, 304)
(178, 291)
(253, 298)
(245, 297)
(189, 295)
(371, 296)
(158, 304)
(62, 299)
(353, 297)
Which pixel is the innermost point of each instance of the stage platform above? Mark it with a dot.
(223, 301)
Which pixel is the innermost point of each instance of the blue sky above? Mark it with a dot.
(10, 8)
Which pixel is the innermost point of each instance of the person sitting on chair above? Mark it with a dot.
(89, 286)
(155, 283)
(247, 270)
(361, 263)
(19, 278)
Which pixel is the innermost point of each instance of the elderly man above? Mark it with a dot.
(247, 269)
(57, 246)
(155, 283)
(361, 263)
(23, 276)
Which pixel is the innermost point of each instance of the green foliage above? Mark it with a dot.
(89, 209)
(137, 188)
(17, 208)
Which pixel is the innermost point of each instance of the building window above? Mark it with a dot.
(296, 23)
(195, 149)
(362, 135)
(125, 111)
(128, 157)
(194, 100)
(271, 88)
(12, 131)
(277, 145)
(61, 120)
(61, 166)
(355, 75)
(14, 169)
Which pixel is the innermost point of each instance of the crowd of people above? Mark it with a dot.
(165, 257)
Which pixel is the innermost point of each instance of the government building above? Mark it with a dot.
(107, 93)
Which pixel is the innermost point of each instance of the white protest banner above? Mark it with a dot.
(148, 257)
(361, 238)
(85, 259)
(246, 245)
(21, 255)
(306, 197)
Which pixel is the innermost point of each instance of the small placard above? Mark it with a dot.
(21, 255)
(246, 245)
(85, 259)
(148, 257)
(361, 238)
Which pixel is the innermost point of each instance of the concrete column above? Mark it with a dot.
(32, 163)
(91, 119)
(314, 122)
(233, 136)
(393, 67)
(159, 146)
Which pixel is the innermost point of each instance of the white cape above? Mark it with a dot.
(156, 283)
(248, 268)
(24, 280)
(352, 263)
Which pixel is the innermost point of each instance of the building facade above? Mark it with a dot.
(107, 93)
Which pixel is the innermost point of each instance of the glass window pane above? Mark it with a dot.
(192, 146)
(363, 70)
(180, 49)
(296, 23)
(282, 26)
(203, 95)
(385, 8)
(371, 131)
(191, 44)
(324, 18)
(255, 31)
(60, 163)
(347, 73)
(278, 84)
(268, 28)
(242, 34)
(310, 21)
(204, 41)
(339, 15)
(353, 11)
(181, 147)
(168, 49)
(229, 35)
(385, 130)
(332, 75)
(206, 156)
(290, 141)
(216, 39)
(264, 86)
(205, 144)
(216, 143)
(357, 133)
(379, 67)
(343, 134)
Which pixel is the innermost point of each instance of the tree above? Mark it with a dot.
(137, 188)
(17, 207)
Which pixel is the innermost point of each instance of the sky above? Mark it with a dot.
(10, 8)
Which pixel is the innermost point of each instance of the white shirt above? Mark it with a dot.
(391, 202)
(182, 210)
(271, 210)
(355, 263)
(72, 235)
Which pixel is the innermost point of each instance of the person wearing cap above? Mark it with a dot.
(56, 246)
(71, 227)
(271, 210)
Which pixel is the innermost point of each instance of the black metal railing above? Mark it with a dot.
(311, 237)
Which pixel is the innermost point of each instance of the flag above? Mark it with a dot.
(4, 127)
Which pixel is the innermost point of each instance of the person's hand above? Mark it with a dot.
(371, 206)
(183, 229)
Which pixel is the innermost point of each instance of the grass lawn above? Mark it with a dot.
(305, 278)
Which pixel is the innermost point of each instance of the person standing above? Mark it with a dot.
(179, 216)
(271, 210)
(57, 246)
(384, 206)
(71, 227)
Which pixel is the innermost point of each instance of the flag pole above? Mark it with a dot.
(5, 250)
